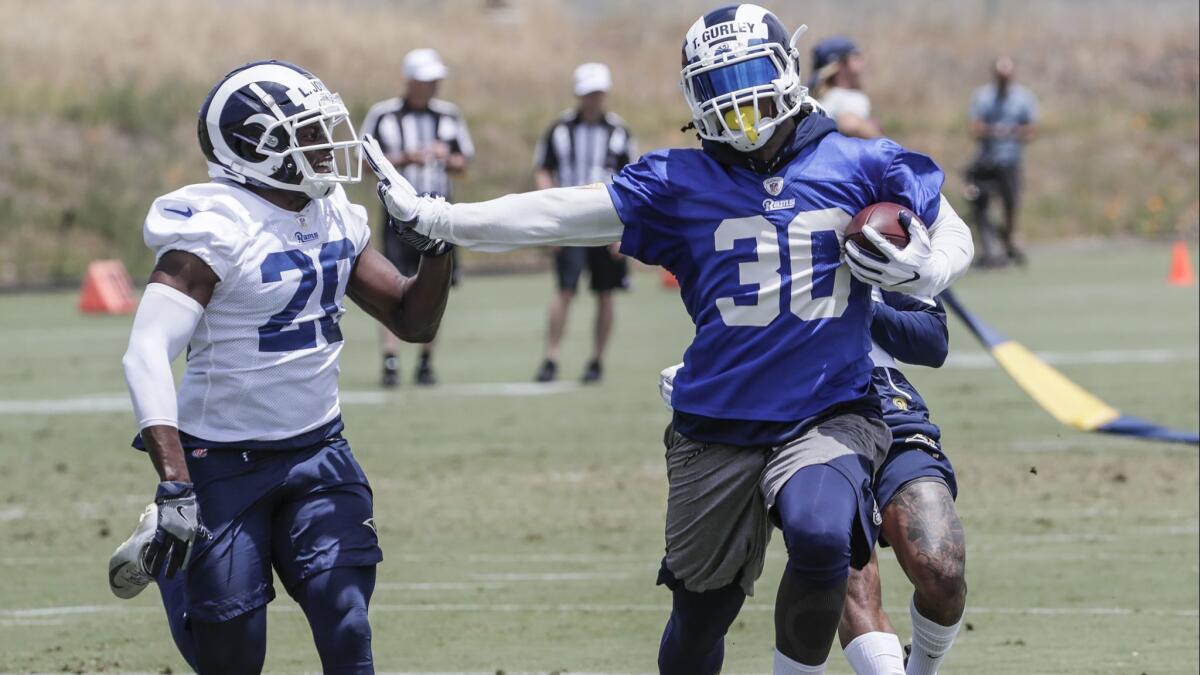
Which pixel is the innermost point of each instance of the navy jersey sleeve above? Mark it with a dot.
(910, 329)
(642, 195)
(913, 180)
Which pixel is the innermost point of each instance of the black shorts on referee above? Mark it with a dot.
(606, 273)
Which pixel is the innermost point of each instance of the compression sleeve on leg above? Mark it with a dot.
(162, 327)
(335, 603)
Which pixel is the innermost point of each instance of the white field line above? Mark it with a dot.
(104, 403)
(38, 613)
(981, 360)
(980, 541)
(98, 403)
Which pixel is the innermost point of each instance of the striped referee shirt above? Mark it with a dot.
(580, 153)
(400, 128)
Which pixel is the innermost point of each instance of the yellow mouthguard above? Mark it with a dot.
(742, 117)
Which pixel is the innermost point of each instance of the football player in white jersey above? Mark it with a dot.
(251, 271)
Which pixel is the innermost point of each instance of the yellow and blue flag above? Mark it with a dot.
(1069, 403)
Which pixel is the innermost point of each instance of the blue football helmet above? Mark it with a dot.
(741, 75)
(275, 125)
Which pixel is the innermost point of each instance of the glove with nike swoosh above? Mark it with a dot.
(177, 530)
(896, 269)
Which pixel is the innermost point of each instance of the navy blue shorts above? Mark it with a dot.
(916, 457)
(300, 512)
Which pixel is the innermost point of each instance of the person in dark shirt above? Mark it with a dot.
(1003, 119)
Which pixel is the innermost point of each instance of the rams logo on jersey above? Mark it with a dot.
(900, 402)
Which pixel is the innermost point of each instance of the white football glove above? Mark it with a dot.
(666, 382)
(900, 269)
(396, 193)
(127, 574)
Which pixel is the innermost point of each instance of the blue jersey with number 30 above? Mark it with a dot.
(781, 325)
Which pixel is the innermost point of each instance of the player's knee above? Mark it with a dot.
(816, 510)
(942, 576)
(355, 628)
(818, 551)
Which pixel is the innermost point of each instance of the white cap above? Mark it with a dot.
(592, 77)
(424, 65)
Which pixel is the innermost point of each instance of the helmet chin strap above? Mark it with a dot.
(315, 189)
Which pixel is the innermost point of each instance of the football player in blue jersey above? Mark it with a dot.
(775, 420)
(915, 489)
(251, 272)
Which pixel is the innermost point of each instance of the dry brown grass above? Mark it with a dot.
(98, 98)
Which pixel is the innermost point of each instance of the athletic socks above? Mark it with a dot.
(930, 642)
(787, 666)
(875, 653)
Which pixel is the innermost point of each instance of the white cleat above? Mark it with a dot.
(127, 574)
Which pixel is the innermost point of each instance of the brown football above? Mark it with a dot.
(884, 218)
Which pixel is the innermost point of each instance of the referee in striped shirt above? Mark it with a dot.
(426, 138)
(587, 144)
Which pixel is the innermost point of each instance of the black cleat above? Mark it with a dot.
(547, 373)
(593, 373)
(425, 376)
(390, 377)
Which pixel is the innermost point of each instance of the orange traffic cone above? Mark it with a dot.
(667, 279)
(106, 289)
(1181, 266)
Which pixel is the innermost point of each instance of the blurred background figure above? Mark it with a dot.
(587, 144)
(427, 139)
(1003, 119)
(836, 83)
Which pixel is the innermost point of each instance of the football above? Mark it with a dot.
(884, 218)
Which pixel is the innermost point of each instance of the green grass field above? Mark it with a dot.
(522, 533)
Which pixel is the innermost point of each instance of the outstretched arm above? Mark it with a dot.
(575, 216)
(410, 307)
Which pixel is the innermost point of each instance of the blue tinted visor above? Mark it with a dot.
(742, 75)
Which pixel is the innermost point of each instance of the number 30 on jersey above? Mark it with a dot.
(812, 240)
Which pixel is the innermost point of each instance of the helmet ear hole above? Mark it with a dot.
(245, 142)
(278, 139)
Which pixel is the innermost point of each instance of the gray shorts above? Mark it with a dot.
(719, 497)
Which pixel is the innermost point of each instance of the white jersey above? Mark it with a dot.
(262, 363)
(838, 100)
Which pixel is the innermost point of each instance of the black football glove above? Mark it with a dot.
(178, 528)
(428, 247)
